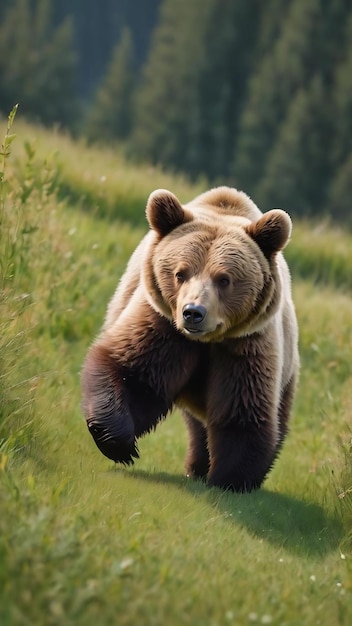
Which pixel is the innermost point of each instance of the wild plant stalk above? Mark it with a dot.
(345, 491)
(4, 155)
(5, 149)
(10, 336)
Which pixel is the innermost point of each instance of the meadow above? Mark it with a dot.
(85, 542)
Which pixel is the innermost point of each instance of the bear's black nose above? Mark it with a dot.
(194, 313)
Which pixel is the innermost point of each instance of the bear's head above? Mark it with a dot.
(213, 273)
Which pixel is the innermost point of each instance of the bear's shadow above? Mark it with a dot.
(294, 525)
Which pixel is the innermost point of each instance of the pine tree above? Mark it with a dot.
(298, 165)
(193, 84)
(340, 193)
(99, 25)
(167, 121)
(340, 188)
(291, 62)
(226, 63)
(110, 116)
(272, 17)
(342, 100)
(14, 48)
(37, 63)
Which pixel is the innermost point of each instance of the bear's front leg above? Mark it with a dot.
(243, 420)
(241, 456)
(130, 379)
(117, 406)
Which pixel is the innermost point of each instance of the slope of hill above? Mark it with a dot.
(83, 542)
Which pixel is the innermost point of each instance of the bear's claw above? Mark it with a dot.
(114, 448)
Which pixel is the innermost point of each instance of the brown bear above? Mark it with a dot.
(202, 319)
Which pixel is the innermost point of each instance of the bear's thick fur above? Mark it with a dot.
(202, 319)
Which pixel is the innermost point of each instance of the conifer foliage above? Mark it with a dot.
(110, 116)
(254, 94)
(37, 63)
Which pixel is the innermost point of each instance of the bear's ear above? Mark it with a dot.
(165, 212)
(271, 232)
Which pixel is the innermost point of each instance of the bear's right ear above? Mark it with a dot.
(271, 232)
(165, 212)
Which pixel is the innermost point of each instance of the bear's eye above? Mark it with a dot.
(223, 281)
(180, 277)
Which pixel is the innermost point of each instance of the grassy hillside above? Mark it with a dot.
(83, 542)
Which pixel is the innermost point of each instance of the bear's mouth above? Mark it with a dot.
(193, 331)
(202, 334)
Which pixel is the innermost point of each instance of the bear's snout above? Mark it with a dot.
(193, 314)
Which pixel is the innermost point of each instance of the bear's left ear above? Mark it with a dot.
(271, 232)
(165, 212)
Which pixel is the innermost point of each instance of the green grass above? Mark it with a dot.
(321, 252)
(98, 180)
(83, 542)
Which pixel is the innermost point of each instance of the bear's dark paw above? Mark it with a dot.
(198, 469)
(194, 476)
(115, 448)
(237, 484)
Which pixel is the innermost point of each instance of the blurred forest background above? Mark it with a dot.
(254, 94)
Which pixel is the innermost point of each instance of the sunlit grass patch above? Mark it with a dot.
(100, 181)
(322, 253)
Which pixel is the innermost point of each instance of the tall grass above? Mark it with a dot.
(321, 252)
(83, 542)
(15, 416)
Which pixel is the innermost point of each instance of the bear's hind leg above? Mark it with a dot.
(197, 459)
